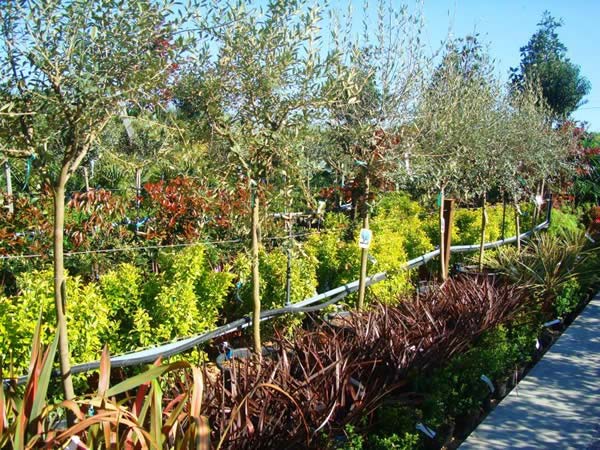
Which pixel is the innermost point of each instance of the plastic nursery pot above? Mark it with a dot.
(547, 338)
(487, 404)
(473, 271)
(443, 436)
(503, 387)
(445, 433)
(467, 423)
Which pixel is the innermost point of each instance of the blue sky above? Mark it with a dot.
(507, 25)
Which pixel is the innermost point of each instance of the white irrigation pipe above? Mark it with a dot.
(310, 304)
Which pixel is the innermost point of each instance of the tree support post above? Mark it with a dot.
(442, 229)
(484, 220)
(288, 271)
(255, 273)
(364, 253)
(518, 225)
(448, 221)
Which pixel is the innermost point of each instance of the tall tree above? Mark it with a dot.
(377, 81)
(456, 152)
(544, 61)
(259, 84)
(69, 67)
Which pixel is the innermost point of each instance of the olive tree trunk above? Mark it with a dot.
(255, 275)
(484, 220)
(364, 253)
(60, 300)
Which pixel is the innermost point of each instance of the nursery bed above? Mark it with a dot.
(557, 405)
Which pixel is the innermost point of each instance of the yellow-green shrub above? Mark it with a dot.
(125, 309)
(398, 235)
(273, 276)
(87, 318)
(190, 294)
(337, 260)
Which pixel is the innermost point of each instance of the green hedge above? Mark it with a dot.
(127, 309)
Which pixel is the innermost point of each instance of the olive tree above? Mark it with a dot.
(455, 128)
(259, 84)
(69, 67)
(375, 83)
(537, 153)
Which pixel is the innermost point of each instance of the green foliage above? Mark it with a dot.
(122, 289)
(393, 427)
(547, 263)
(454, 389)
(397, 237)
(126, 309)
(467, 225)
(568, 299)
(88, 319)
(408, 441)
(273, 270)
(564, 222)
(397, 213)
(338, 260)
(354, 440)
(190, 296)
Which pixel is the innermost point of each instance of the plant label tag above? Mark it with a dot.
(365, 238)
(537, 344)
(539, 200)
(552, 323)
(426, 430)
(489, 383)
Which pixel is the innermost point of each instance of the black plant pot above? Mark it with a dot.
(466, 423)
(547, 338)
(443, 437)
(503, 387)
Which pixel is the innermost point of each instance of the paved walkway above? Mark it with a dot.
(557, 405)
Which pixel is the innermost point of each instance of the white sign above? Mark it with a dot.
(364, 240)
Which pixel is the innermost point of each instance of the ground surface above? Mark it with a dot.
(557, 405)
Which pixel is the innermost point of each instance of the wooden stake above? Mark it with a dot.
(448, 221)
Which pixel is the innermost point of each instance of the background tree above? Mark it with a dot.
(544, 61)
(68, 68)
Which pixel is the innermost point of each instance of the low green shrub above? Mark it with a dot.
(563, 221)
(337, 259)
(87, 318)
(126, 309)
(568, 299)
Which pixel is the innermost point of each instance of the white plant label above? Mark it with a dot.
(537, 344)
(426, 430)
(552, 322)
(365, 237)
(539, 200)
(489, 383)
